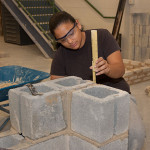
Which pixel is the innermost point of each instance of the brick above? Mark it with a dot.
(133, 77)
(128, 73)
(145, 69)
(136, 63)
(144, 53)
(147, 61)
(92, 113)
(76, 143)
(137, 70)
(146, 78)
(100, 107)
(66, 85)
(137, 54)
(136, 40)
(57, 143)
(126, 61)
(41, 115)
(138, 80)
(121, 109)
(37, 116)
(69, 83)
(137, 29)
(117, 145)
(14, 106)
(141, 76)
(10, 140)
(144, 17)
(144, 40)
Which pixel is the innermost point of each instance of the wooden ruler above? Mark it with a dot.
(94, 51)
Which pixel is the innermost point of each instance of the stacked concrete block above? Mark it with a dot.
(70, 114)
(57, 143)
(10, 140)
(36, 116)
(67, 85)
(98, 112)
(136, 71)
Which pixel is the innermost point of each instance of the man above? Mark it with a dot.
(74, 58)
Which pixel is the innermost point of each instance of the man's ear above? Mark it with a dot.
(78, 24)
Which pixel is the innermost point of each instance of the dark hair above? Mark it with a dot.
(58, 18)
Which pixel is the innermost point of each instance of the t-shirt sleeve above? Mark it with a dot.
(108, 43)
(58, 64)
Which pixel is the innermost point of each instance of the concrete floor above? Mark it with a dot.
(31, 57)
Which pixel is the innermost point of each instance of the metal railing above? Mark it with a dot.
(40, 11)
(107, 17)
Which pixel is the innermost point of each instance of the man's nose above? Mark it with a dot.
(69, 40)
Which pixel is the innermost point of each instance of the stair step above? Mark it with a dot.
(42, 10)
(44, 18)
(45, 26)
(34, 3)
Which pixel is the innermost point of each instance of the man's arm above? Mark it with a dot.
(112, 67)
(52, 77)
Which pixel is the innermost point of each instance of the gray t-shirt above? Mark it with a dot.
(69, 62)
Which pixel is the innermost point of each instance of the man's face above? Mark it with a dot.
(69, 35)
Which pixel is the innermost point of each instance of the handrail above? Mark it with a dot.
(19, 3)
(107, 17)
(36, 23)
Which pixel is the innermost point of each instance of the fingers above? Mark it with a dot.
(101, 66)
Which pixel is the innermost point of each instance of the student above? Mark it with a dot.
(74, 58)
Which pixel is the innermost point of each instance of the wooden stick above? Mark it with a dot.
(94, 51)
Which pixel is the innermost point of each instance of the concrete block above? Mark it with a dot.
(92, 112)
(57, 143)
(10, 140)
(121, 110)
(144, 41)
(66, 85)
(14, 106)
(137, 29)
(41, 115)
(116, 145)
(69, 83)
(144, 17)
(76, 143)
(36, 116)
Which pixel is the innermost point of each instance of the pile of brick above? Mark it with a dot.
(136, 71)
(72, 114)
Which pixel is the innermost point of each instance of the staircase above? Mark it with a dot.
(33, 16)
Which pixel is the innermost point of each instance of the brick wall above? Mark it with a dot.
(136, 71)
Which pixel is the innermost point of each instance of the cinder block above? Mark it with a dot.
(76, 143)
(66, 85)
(10, 140)
(121, 110)
(36, 116)
(116, 145)
(41, 115)
(69, 83)
(92, 112)
(14, 106)
(100, 111)
(57, 143)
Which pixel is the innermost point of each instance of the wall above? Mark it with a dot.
(140, 6)
(132, 28)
